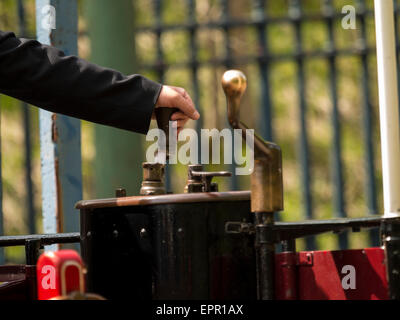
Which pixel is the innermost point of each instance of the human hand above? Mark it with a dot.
(175, 97)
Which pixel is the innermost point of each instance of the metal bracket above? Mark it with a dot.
(239, 227)
(305, 259)
(280, 231)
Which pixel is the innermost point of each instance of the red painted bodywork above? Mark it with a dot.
(317, 275)
(59, 273)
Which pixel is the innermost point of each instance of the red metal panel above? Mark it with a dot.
(286, 276)
(328, 275)
(17, 282)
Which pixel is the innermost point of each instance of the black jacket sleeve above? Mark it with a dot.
(43, 76)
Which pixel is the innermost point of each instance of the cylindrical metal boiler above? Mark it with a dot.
(170, 246)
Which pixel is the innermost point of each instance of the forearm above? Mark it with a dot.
(43, 76)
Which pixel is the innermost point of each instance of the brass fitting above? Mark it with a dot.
(194, 183)
(153, 179)
(201, 181)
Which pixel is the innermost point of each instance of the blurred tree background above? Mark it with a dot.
(211, 46)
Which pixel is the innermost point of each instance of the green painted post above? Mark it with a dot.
(118, 153)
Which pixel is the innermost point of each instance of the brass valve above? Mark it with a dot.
(153, 179)
(153, 173)
(201, 181)
(266, 179)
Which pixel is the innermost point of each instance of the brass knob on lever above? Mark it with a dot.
(234, 83)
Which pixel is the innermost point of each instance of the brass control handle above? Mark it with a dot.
(266, 179)
(201, 181)
(207, 177)
(211, 173)
(234, 83)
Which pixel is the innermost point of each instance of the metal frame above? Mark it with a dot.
(34, 242)
(26, 119)
(60, 138)
(2, 260)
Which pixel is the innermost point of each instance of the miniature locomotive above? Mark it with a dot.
(205, 244)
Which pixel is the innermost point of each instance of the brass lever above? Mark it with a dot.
(201, 181)
(266, 179)
(234, 83)
(266, 186)
(206, 177)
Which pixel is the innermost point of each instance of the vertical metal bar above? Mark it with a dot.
(288, 245)
(194, 64)
(228, 65)
(225, 23)
(388, 106)
(60, 144)
(397, 43)
(157, 4)
(28, 170)
(27, 140)
(263, 63)
(338, 192)
(157, 8)
(265, 256)
(2, 257)
(390, 143)
(295, 12)
(265, 122)
(32, 248)
(370, 187)
(396, 33)
(21, 19)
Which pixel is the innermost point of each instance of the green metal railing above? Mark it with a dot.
(260, 21)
